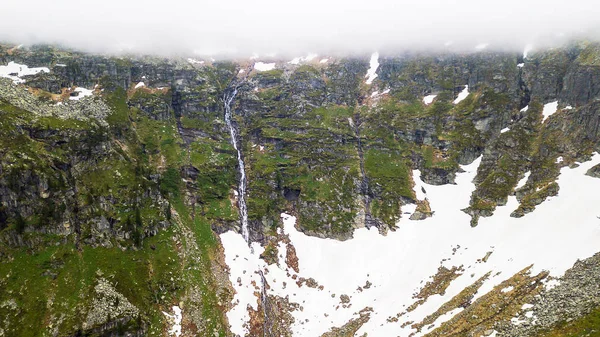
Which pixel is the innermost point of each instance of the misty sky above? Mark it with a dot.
(243, 27)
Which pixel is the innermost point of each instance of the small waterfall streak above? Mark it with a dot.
(228, 98)
(235, 140)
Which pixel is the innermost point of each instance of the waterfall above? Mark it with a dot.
(235, 140)
(228, 98)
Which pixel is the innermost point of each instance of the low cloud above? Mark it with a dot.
(243, 27)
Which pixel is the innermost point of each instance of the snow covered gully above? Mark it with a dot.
(384, 272)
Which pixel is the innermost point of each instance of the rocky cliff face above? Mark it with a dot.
(126, 187)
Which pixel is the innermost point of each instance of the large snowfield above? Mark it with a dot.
(560, 231)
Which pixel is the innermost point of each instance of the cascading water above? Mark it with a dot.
(228, 99)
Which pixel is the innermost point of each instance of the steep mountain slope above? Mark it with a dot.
(119, 194)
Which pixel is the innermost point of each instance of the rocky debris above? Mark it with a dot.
(577, 294)
(290, 257)
(594, 172)
(108, 302)
(193, 300)
(501, 303)
(309, 282)
(279, 312)
(423, 210)
(87, 109)
(349, 329)
(436, 286)
(438, 176)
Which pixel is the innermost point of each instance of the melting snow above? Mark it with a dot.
(525, 108)
(176, 318)
(420, 191)
(373, 65)
(523, 181)
(559, 160)
(16, 71)
(462, 95)
(549, 110)
(505, 130)
(83, 92)
(261, 66)
(428, 99)
(397, 265)
(139, 85)
(521, 65)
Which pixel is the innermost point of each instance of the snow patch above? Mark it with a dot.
(428, 99)
(549, 110)
(398, 265)
(243, 265)
(323, 60)
(525, 108)
(506, 129)
(523, 181)
(373, 65)
(82, 92)
(261, 66)
(507, 289)
(16, 71)
(462, 95)
(176, 319)
(559, 160)
(420, 191)
(139, 85)
(521, 65)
